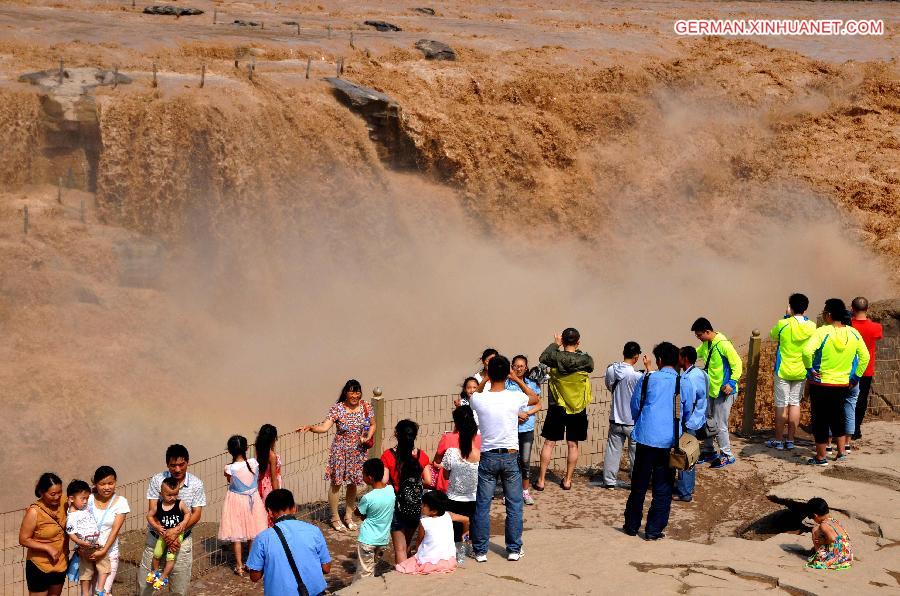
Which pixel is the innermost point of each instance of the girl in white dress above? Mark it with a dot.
(437, 553)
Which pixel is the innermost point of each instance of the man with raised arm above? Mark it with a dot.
(656, 432)
(498, 418)
(620, 380)
(570, 394)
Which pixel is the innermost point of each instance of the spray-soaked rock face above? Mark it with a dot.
(70, 125)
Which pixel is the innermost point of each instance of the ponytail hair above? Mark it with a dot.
(464, 419)
(408, 466)
(237, 446)
(265, 440)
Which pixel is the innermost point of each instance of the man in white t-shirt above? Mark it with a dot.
(498, 417)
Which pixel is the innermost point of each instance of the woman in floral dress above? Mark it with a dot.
(355, 423)
(830, 540)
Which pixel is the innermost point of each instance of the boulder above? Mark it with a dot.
(241, 23)
(382, 25)
(177, 11)
(361, 98)
(425, 10)
(383, 117)
(436, 50)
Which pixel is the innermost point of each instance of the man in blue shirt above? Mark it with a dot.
(268, 558)
(655, 435)
(684, 487)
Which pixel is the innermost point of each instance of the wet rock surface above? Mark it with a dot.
(383, 116)
(70, 126)
(382, 25)
(178, 11)
(436, 50)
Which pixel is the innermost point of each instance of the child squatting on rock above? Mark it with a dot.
(830, 540)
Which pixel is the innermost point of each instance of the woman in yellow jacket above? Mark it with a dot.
(835, 357)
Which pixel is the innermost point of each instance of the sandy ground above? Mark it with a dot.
(738, 534)
(574, 546)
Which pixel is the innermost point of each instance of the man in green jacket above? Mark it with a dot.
(791, 333)
(570, 394)
(724, 367)
(835, 358)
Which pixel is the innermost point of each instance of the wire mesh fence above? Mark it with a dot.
(303, 460)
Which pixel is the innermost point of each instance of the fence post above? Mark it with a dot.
(378, 406)
(752, 382)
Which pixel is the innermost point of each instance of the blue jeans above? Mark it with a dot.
(651, 466)
(850, 409)
(684, 486)
(505, 468)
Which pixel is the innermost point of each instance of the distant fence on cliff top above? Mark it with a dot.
(303, 459)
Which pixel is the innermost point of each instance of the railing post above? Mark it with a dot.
(752, 382)
(378, 406)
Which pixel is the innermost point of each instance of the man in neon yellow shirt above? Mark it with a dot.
(724, 367)
(835, 358)
(792, 332)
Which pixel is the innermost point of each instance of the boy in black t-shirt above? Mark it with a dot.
(170, 511)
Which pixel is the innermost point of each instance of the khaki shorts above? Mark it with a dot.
(788, 393)
(87, 568)
(368, 559)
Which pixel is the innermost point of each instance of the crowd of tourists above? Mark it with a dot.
(434, 513)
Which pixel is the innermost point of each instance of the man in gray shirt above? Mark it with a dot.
(620, 380)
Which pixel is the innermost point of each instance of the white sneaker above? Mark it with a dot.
(515, 556)
(482, 558)
(526, 497)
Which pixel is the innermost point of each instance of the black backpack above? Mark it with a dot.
(409, 499)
